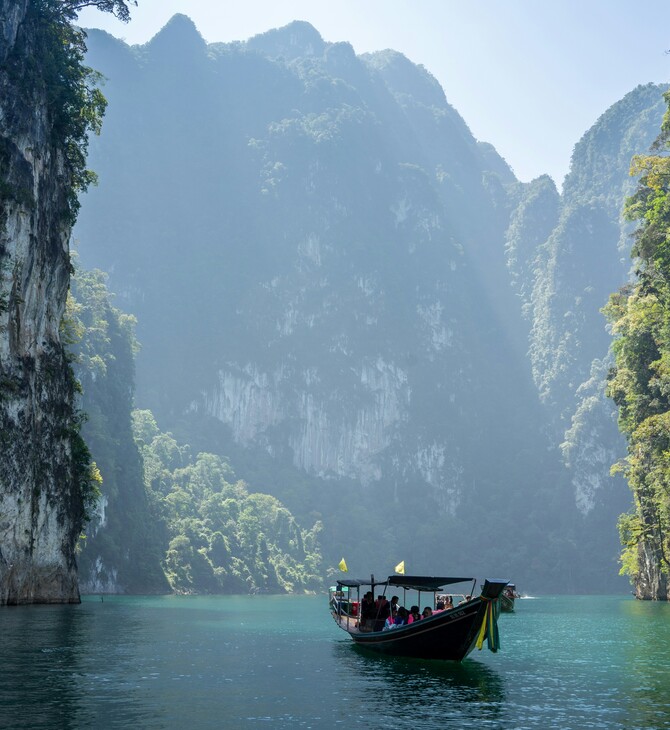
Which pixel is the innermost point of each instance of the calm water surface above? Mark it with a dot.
(280, 662)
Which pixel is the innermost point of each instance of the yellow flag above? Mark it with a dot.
(400, 568)
(343, 566)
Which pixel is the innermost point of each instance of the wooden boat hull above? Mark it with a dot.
(450, 634)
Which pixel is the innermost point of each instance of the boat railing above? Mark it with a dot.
(344, 608)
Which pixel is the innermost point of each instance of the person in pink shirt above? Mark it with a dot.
(414, 614)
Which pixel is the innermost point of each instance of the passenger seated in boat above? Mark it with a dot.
(367, 606)
(383, 611)
(401, 618)
(427, 611)
(390, 622)
(367, 603)
(368, 612)
(449, 603)
(414, 615)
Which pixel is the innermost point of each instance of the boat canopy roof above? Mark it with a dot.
(352, 583)
(410, 582)
(424, 582)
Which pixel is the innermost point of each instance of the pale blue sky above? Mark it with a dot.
(529, 76)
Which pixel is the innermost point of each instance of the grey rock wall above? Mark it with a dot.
(40, 507)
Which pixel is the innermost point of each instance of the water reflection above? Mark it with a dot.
(648, 629)
(41, 646)
(419, 691)
(56, 662)
(199, 663)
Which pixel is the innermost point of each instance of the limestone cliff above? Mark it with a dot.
(41, 507)
(311, 243)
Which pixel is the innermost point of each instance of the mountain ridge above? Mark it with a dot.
(363, 306)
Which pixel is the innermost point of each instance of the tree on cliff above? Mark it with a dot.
(118, 7)
(71, 87)
(640, 381)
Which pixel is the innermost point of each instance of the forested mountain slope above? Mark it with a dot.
(638, 382)
(166, 519)
(566, 254)
(121, 549)
(335, 284)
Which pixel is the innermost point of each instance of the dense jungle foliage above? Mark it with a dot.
(167, 519)
(122, 545)
(640, 382)
(220, 537)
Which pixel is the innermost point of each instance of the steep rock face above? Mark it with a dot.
(314, 251)
(651, 583)
(314, 245)
(325, 440)
(41, 511)
(566, 256)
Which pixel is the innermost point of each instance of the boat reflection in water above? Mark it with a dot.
(433, 693)
(450, 633)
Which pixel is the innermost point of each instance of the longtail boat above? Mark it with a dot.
(451, 633)
(509, 595)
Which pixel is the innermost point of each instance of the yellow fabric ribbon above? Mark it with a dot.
(482, 630)
(489, 626)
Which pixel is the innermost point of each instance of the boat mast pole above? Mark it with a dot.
(348, 605)
(358, 613)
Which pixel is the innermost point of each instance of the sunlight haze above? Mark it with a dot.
(528, 77)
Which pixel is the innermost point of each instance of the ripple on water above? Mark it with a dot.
(590, 662)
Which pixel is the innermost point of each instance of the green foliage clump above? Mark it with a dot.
(219, 537)
(122, 549)
(160, 506)
(120, 8)
(86, 472)
(55, 80)
(640, 382)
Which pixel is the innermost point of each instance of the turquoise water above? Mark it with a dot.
(280, 662)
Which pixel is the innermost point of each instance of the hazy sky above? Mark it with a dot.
(529, 76)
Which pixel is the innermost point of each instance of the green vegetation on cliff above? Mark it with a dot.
(640, 382)
(220, 537)
(121, 551)
(166, 519)
(53, 76)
